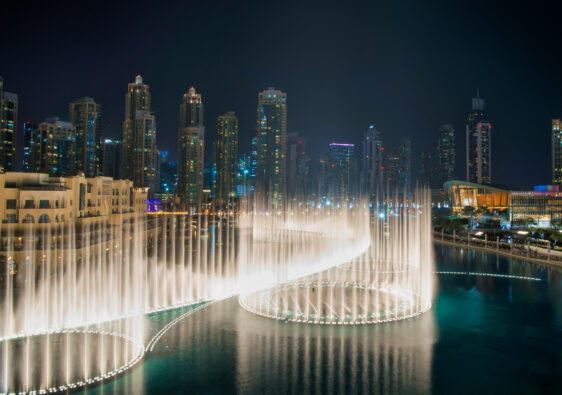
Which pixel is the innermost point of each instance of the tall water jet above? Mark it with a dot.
(391, 280)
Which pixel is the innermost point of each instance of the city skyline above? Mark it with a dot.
(428, 85)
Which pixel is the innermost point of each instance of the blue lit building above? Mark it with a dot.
(112, 158)
(31, 142)
(272, 147)
(85, 115)
(342, 171)
(9, 106)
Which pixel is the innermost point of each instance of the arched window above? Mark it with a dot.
(44, 219)
(56, 218)
(28, 219)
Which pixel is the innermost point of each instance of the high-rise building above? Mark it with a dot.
(112, 159)
(478, 144)
(428, 169)
(556, 152)
(404, 165)
(373, 168)
(272, 145)
(226, 156)
(31, 147)
(191, 148)
(392, 173)
(145, 172)
(446, 154)
(139, 136)
(168, 173)
(57, 149)
(342, 171)
(85, 115)
(298, 167)
(8, 128)
(323, 177)
(247, 171)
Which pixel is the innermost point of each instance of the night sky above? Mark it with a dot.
(405, 66)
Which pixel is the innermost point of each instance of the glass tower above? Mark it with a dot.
(373, 167)
(226, 156)
(446, 153)
(478, 144)
(139, 136)
(556, 152)
(8, 129)
(272, 146)
(85, 115)
(341, 168)
(191, 146)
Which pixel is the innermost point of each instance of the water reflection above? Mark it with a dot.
(482, 335)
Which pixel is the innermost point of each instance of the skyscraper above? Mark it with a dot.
(31, 144)
(342, 171)
(478, 144)
(168, 173)
(191, 146)
(112, 159)
(404, 165)
(556, 152)
(145, 171)
(297, 166)
(323, 177)
(446, 154)
(428, 169)
(272, 146)
(57, 149)
(372, 171)
(392, 173)
(226, 156)
(8, 128)
(85, 115)
(139, 136)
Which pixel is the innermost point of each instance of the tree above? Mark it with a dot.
(468, 211)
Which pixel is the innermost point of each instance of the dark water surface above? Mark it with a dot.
(483, 335)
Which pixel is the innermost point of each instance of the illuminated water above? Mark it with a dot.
(483, 334)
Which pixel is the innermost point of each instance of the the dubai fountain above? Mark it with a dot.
(74, 297)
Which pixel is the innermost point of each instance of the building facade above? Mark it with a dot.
(541, 207)
(37, 198)
(9, 108)
(556, 154)
(466, 194)
(404, 165)
(298, 167)
(140, 154)
(478, 144)
(373, 167)
(56, 152)
(191, 149)
(226, 156)
(31, 147)
(446, 156)
(271, 172)
(342, 169)
(85, 115)
(112, 159)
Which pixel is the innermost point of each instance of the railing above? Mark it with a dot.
(515, 250)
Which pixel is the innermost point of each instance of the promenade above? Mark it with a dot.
(513, 250)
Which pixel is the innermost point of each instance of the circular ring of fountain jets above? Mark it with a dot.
(390, 281)
(65, 360)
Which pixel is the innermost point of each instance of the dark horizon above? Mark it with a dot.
(406, 68)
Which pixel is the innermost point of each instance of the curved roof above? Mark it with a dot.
(448, 184)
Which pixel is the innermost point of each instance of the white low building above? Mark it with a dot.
(37, 198)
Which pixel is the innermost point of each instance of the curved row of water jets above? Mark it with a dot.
(104, 278)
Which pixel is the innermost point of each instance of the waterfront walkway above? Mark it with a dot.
(512, 250)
